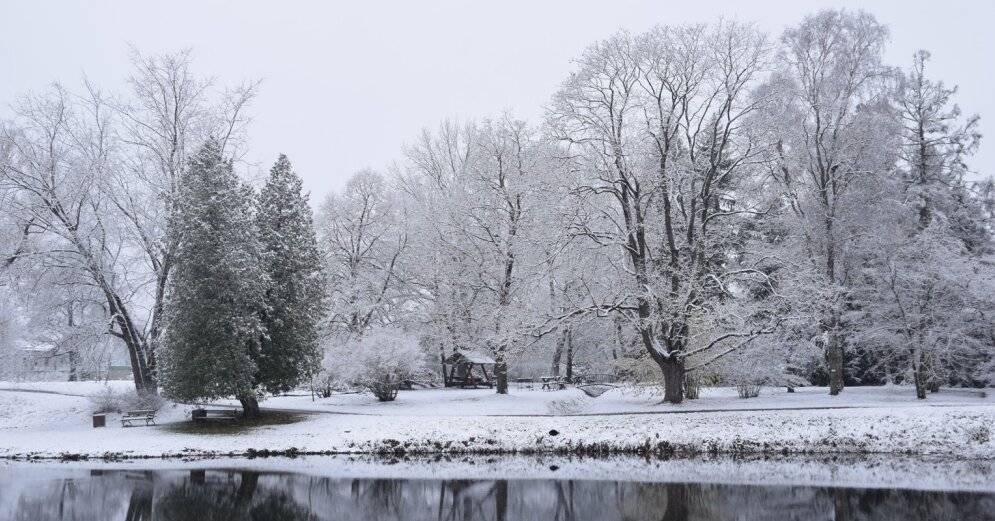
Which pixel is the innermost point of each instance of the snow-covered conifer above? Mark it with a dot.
(295, 297)
(217, 291)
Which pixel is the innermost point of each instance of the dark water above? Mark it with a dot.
(208, 495)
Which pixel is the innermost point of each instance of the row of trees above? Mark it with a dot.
(701, 203)
(701, 199)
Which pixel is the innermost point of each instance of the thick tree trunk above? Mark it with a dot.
(673, 380)
(561, 339)
(834, 361)
(250, 406)
(501, 373)
(918, 379)
(501, 377)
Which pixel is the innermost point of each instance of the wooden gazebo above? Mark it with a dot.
(468, 369)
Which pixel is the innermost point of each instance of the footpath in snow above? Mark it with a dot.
(952, 423)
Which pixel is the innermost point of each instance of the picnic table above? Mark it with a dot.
(551, 383)
(524, 382)
(146, 415)
(203, 415)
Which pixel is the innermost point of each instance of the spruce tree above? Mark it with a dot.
(216, 296)
(295, 296)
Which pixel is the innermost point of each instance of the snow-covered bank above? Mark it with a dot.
(41, 425)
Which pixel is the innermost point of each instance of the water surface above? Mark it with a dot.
(133, 493)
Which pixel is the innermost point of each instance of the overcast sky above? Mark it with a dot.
(345, 84)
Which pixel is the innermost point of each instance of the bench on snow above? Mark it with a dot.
(129, 417)
(201, 415)
(552, 383)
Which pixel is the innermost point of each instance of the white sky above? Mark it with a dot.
(345, 84)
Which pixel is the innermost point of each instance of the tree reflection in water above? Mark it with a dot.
(216, 495)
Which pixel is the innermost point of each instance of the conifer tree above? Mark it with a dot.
(295, 296)
(217, 289)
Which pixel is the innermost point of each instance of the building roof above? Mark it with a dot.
(43, 347)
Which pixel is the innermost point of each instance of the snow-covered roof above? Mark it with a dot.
(43, 347)
(474, 357)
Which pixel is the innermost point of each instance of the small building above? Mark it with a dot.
(468, 369)
(42, 361)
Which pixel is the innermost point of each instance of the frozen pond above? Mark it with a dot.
(335, 489)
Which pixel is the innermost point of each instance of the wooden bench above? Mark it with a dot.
(203, 415)
(129, 417)
(552, 383)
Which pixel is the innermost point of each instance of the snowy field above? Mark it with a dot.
(37, 421)
(535, 402)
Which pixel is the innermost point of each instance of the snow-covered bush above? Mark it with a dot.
(110, 400)
(764, 361)
(692, 386)
(143, 402)
(748, 390)
(107, 400)
(378, 362)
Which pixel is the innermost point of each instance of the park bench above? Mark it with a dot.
(203, 415)
(129, 417)
(552, 383)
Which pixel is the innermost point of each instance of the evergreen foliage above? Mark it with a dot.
(217, 289)
(295, 297)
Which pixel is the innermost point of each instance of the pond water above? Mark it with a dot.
(133, 493)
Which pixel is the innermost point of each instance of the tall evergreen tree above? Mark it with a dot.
(217, 291)
(295, 297)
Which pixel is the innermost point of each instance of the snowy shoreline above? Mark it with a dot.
(951, 424)
(954, 432)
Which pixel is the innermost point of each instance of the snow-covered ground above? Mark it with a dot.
(485, 402)
(862, 420)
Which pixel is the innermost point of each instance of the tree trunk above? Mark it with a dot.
(250, 406)
(918, 379)
(73, 353)
(570, 356)
(501, 373)
(619, 339)
(673, 380)
(73, 365)
(834, 360)
(561, 339)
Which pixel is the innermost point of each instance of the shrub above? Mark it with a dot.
(110, 400)
(106, 400)
(748, 390)
(692, 387)
(134, 401)
(381, 361)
